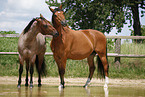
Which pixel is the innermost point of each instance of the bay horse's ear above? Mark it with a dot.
(60, 6)
(41, 15)
(37, 20)
(52, 10)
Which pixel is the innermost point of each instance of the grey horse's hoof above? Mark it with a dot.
(19, 86)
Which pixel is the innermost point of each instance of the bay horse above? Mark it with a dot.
(32, 47)
(77, 45)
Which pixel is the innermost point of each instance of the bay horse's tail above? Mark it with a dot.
(43, 70)
(101, 73)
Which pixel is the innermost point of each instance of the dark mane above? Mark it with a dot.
(29, 25)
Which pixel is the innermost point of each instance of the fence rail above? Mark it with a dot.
(125, 37)
(108, 37)
(116, 54)
(109, 54)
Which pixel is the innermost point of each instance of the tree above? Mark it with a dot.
(142, 32)
(102, 15)
(134, 4)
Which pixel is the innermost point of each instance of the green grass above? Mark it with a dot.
(132, 68)
(133, 48)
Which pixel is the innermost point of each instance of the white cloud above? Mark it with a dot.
(16, 14)
(26, 4)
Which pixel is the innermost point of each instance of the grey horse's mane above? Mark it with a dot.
(29, 25)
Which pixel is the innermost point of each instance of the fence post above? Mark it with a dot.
(117, 50)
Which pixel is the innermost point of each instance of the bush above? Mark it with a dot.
(8, 32)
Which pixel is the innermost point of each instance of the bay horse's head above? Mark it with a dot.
(58, 16)
(45, 27)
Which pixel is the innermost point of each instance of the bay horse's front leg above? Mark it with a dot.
(91, 68)
(61, 63)
(21, 60)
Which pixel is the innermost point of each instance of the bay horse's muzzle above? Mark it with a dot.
(64, 23)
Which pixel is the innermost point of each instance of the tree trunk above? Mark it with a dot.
(136, 20)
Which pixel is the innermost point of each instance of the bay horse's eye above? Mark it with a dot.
(55, 15)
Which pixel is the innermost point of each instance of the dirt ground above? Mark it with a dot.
(54, 81)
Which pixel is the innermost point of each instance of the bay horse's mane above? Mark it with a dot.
(29, 25)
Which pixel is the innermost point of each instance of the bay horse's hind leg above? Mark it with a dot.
(20, 70)
(91, 68)
(102, 60)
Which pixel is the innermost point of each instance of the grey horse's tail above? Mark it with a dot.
(43, 70)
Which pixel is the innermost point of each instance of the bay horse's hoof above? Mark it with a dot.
(39, 85)
(61, 87)
(26, 84)
(85, 86)
(105, 86)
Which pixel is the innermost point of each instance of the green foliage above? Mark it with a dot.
(8, 32)
(53, 2)
(142, 31)
(110, 45)
(88, 14)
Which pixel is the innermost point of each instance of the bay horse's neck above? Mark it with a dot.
(61, 30)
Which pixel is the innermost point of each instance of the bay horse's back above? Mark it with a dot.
(96, 38)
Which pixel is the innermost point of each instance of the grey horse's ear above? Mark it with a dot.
(52, 10)
(60, 6)
(41, 15)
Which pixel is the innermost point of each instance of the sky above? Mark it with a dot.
(16, 14)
